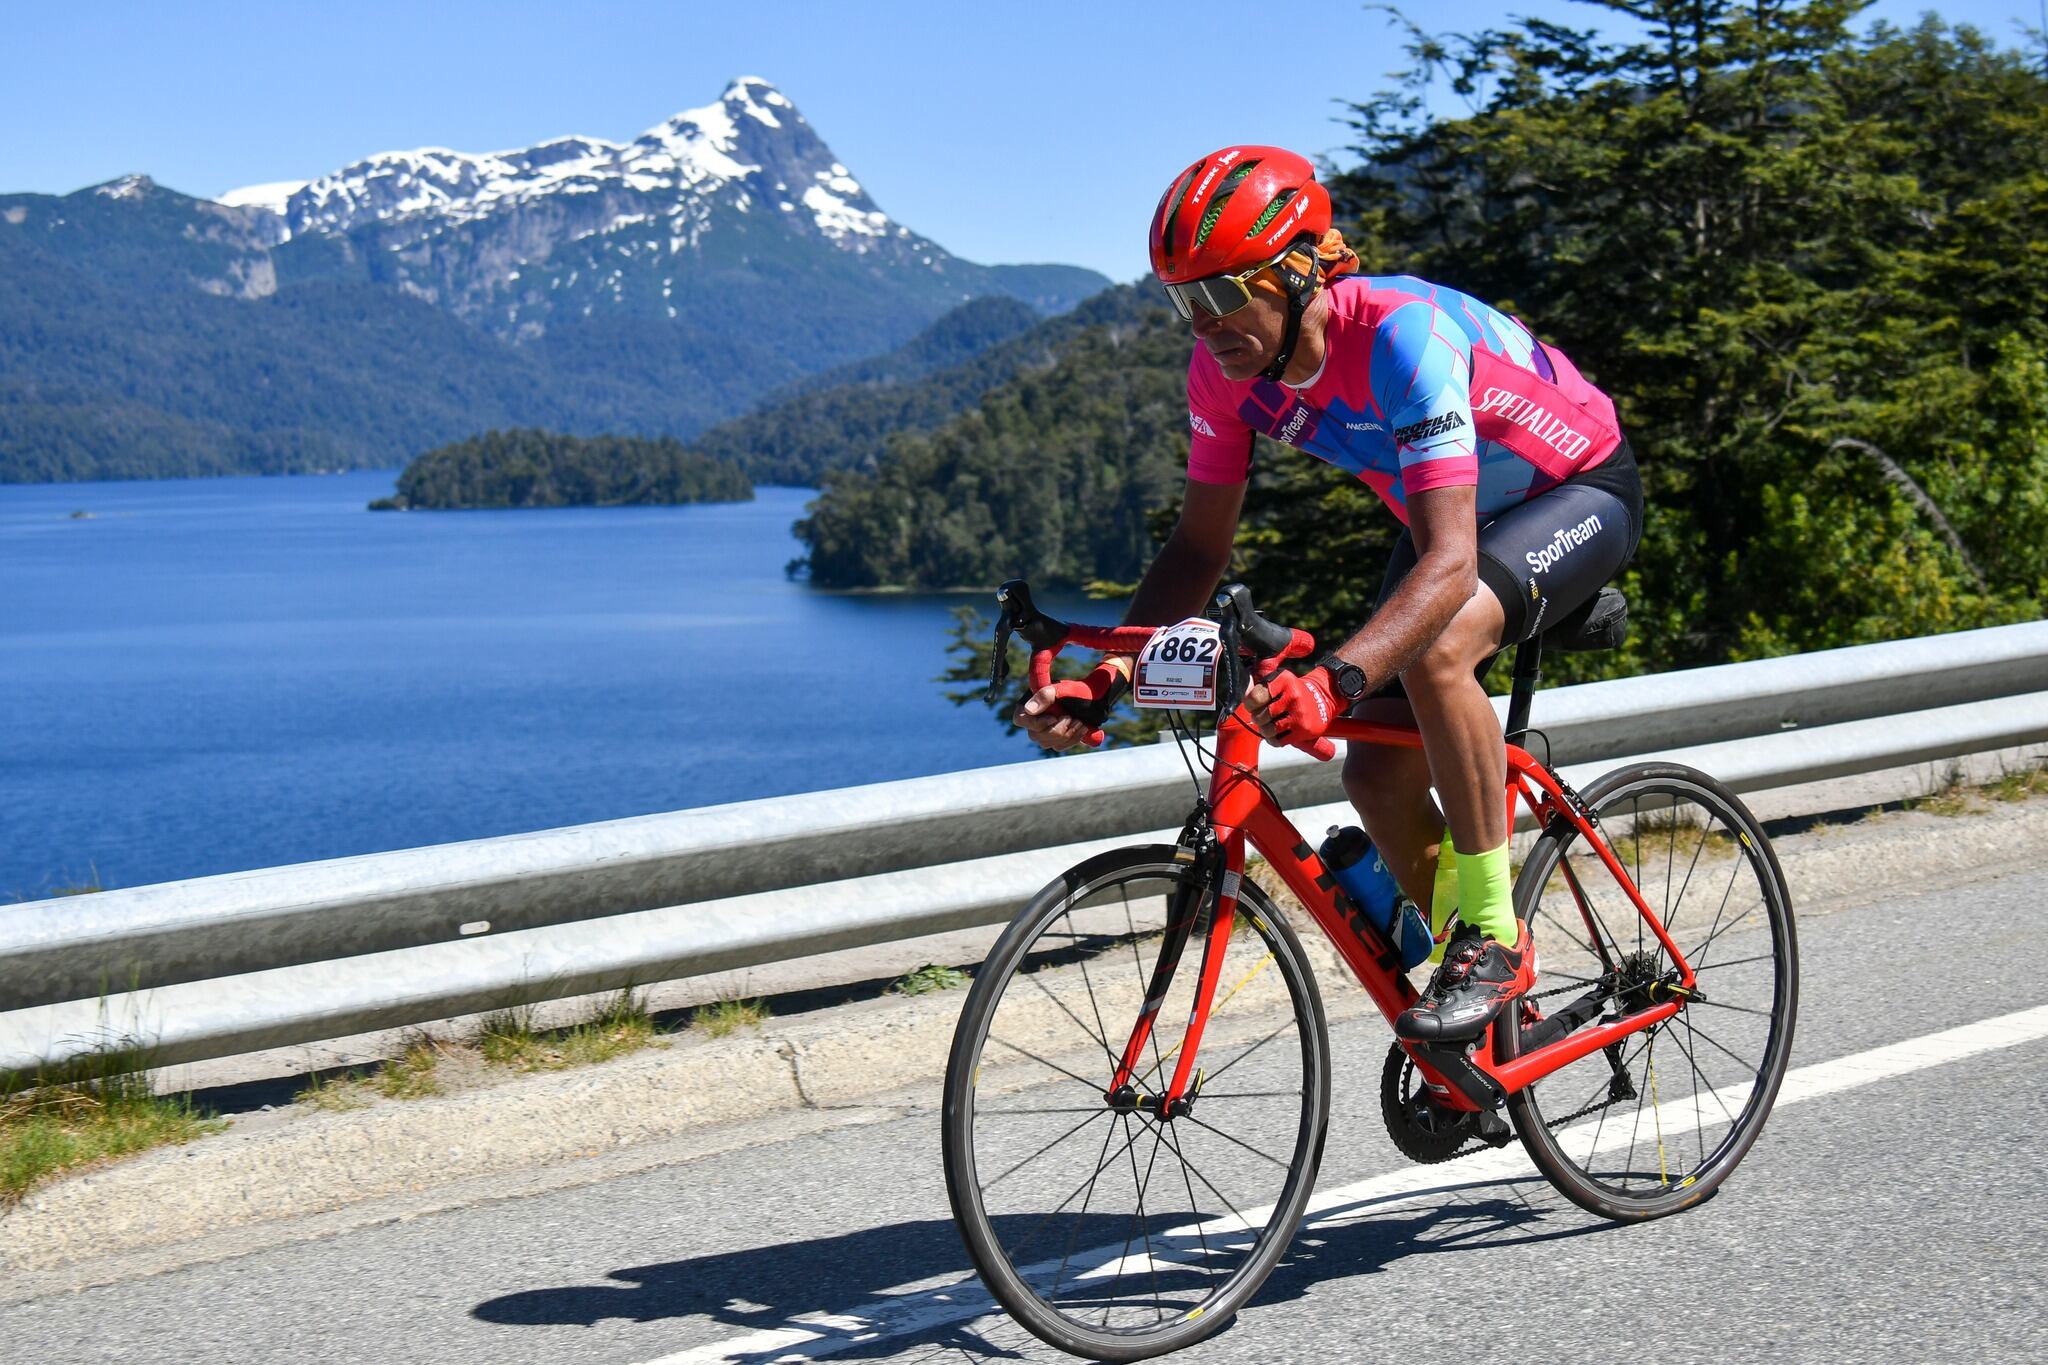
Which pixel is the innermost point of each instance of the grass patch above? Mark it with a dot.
(1951, 795)
(335, 1094)
(2021, 784)
(47, 1127)
(622, 1025)
(928, 978)
(722, 1017)
(408, 1076)
(89, 886)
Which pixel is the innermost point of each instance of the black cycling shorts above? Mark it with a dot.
(1548, 555)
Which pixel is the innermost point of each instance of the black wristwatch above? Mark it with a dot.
(1348, 679)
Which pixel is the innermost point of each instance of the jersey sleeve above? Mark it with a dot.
(1422, 381)
(1219, 443)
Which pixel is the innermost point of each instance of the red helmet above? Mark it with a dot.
(1233, 210)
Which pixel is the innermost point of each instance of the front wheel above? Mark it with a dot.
(1652, 1124)
(1108, 1229)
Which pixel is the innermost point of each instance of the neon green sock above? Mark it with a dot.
(1443, 899)
(1486, 895)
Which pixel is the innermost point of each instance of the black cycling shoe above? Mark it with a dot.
(1477, 979)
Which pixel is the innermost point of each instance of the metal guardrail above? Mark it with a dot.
(219, 965)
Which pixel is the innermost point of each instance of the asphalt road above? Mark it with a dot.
(1900, 1217)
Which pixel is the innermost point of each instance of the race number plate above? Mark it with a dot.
(1178, 667)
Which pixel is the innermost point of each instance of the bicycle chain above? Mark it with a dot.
(1475, 1147)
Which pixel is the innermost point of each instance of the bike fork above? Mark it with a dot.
(1219, 868)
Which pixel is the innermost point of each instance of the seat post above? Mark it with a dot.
(1528, 672)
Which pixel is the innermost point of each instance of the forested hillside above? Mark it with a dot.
(845, 419)
(529, 468)
(1056, 473)
(1811, 268)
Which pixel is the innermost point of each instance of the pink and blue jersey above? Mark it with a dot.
(1421, 387)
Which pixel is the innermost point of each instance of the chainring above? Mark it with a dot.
(1423, 1130)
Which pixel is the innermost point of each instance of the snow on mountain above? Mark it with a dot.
(750, 149)
(272, 195)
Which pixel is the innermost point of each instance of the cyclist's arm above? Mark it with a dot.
(1445, 526)
(1176, 586)
(1188, 567)
(1422, 380)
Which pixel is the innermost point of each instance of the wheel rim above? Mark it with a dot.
(1664, 1114)
(1114, 1219)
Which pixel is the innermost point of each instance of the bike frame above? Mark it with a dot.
(1244, 815)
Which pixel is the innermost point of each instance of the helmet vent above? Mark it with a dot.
(1223, 192)
(1272, 211)
(1172, 214)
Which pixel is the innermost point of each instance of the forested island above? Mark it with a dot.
(530, 468)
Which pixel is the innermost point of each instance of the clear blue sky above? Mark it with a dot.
(1039, 132)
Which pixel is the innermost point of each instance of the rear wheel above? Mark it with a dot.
(1109, 1230)
(1652, 1124)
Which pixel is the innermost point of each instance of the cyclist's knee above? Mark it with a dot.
(1374, 773)
(1472, 637)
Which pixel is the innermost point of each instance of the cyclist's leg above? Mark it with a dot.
(1389, 785)
(1538, 561)
(1563, 545)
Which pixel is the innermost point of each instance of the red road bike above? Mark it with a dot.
(1131, 1138)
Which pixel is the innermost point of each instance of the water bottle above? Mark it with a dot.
(1359, 869)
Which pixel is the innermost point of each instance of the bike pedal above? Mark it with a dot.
(1494, 1130)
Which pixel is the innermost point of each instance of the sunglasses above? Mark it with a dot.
(1218, 295)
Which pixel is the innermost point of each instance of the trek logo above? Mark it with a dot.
(1416, 432)
(1284, 226)
(1200, 424)
(1223, 163)
(1563, 543)
(1537, 420)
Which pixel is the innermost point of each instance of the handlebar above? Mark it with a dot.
(1244, 633)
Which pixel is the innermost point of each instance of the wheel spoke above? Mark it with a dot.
(1101, 1033)
(1100, 1039)
(1212, 1128)
(1734, 962)
(1074, 1229)
(1716, 930)
(1724, 1005)
(1051, 1066)
(1138, 962)
(1698, 1076)
(1715, 1043)
(1043, 1150)
(1604, 1169)
(1194, 1213)
(1095, 1254)
(1181, 1151)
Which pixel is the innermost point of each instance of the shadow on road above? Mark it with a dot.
(852, 1276)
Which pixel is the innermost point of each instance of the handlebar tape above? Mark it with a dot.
(1090, 699)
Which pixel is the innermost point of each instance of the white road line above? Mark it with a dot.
(812, 1335)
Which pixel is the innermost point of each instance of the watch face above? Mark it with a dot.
(1350, 680)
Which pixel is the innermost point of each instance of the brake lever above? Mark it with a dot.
(1231, 681)
(999, 662)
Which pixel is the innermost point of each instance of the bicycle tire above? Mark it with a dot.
(1211, 1263)
(1574, 1150)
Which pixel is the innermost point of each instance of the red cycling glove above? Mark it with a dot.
(1302, 707)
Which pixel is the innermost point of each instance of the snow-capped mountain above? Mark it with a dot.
(752, 134)
(651, 287)
(517, 240)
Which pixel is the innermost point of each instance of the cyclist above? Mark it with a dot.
(1517, 491)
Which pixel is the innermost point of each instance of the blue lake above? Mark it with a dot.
(210, 675)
